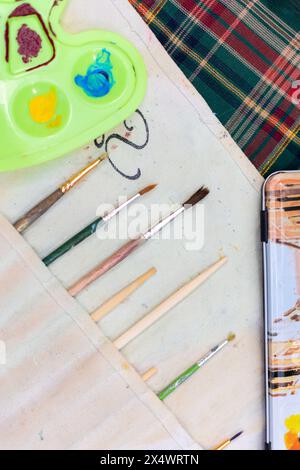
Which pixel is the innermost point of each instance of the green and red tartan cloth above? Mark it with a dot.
(243, 58)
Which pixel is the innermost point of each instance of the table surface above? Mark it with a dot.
(188, 147)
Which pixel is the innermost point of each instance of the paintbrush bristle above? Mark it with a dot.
(231, 337)
(197, 197)
(147, 189)
(238, 434)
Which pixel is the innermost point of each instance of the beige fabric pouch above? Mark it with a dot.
(64, 385)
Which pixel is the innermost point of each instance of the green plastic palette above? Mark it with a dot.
(58, 91)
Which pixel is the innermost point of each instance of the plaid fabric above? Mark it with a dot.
(243, 58)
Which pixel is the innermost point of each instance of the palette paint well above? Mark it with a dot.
(60, 91)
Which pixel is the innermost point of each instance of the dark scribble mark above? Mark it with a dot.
(129, 128)
(136, 176)
(100, 143)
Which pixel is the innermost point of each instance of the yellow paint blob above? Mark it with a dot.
(42, 108)
(291, 438)
(56, 122)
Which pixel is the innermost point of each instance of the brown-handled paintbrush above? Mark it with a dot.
(129, 247)
(37, 211)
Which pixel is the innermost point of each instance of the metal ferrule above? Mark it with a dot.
(118, 209)
(163, 223)
(78, 176)
(211, 353)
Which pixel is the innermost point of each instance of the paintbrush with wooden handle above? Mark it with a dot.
(39, 209)
(170, 302)
(123, 294)
(131, 246)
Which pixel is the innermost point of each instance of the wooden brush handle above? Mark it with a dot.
(123, 294)
(149, 374)
(38, 210)
(106, 265)
(166, 305)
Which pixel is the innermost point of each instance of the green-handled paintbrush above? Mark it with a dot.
(194, 368)
(91, 228)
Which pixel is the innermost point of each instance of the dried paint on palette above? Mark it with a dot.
(98, 80)
(30, 43)
(42, 109)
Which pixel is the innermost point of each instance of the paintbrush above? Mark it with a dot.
(123, 294)
(167, 304)
(91, 228)
(194, 368)
(228, 441)
(37, 211)
(131, 246)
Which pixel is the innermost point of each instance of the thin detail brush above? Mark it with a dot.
(194, 368)
(132, 245)
(37, 211)
(91, 228)
(228, 441)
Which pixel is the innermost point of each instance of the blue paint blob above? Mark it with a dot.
(99, 79)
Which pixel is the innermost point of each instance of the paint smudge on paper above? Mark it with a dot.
(98, 80)
(30, 43)
(292, 437)
(42, 109)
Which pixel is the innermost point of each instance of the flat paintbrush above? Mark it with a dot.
(129, 247)
(193, 369)
(33, 214)
(91, 228)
